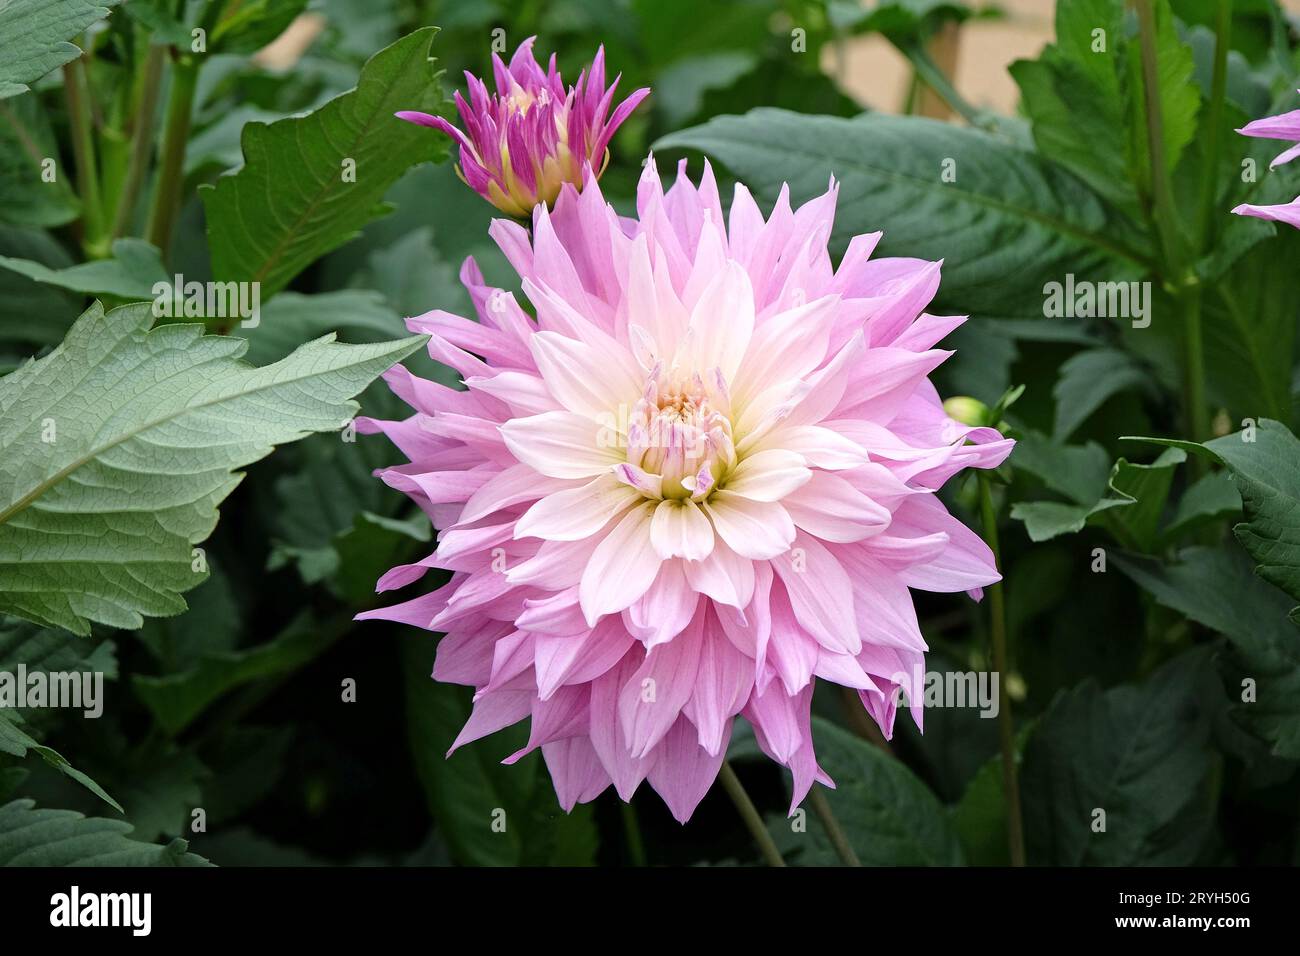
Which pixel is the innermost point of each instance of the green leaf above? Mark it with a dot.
(292, 200)
(117, 448)
(1087, 380)
(980, 817)
(26, 142)
(1138, 754)
(890, 817)
(16, 742)
(132, 273)
(42, 650)
(1213, 496)
(469, 790)
(176, 699)
(34, 314)
(1215, 587)
(1265, 462)
(1073, 94)
(251, 25)
(32, 837)
(1180, 98)
(34, 37)
(1140, 491)
(1008, 223)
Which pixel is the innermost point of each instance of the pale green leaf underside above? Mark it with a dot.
(32, 837)
(34, 37)
(118, 446)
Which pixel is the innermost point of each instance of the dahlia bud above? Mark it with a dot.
(521, 144)
(967, 410)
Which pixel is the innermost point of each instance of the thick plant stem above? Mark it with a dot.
(1205, 230)
(83, 151)
(171, 173)
(749, 813)
(1006, 729)
(821, 806)
(141, 139)
(1177, 261)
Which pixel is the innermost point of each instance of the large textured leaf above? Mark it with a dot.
(1137, 754)
(116, 449)
(890, 817)
(1215, 587)
(34, 37)
(1007, 224)
(294, 198)
(32, 837)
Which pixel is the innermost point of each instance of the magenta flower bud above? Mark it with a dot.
(521, 144)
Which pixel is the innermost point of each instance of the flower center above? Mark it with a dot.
(681, 430)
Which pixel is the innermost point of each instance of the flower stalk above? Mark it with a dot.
(749, 813)
(1006, 728)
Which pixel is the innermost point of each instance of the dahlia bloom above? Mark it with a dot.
(1285, 126)
(701, 478)
(524, 142)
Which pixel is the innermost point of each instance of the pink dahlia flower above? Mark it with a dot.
(521, 144)
(701, 478)
(1286, 127)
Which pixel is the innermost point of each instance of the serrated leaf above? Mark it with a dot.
(32, 837)
(1008, 223)
(34, 37)
(1265, 462)
(292, 201)
(117, 448)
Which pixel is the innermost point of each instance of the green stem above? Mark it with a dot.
(1162, 194)
(171, 174)
(934, 78)
(749, 813)
(1198, 414)
(83, 151)
(821, 806)
(632, 833)
(1218, 96)
(141, 139)
(1006, 728)
(1176, 259)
